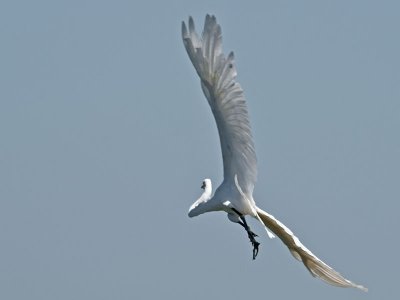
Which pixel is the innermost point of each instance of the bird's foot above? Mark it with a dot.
(253, 241)
(255, 249)
(250, 233)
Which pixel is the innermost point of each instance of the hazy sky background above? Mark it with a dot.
(105, 138)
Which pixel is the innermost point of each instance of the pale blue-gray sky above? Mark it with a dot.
(106, 137)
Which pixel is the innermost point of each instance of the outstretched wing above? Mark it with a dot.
(316, 266)
(226, 99)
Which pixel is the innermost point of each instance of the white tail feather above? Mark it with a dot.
(270, 234)
(316, 266)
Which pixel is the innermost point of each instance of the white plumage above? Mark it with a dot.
(235, 195)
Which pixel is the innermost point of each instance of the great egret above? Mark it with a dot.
(235, 195)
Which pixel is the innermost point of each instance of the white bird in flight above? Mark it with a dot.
(235, 195)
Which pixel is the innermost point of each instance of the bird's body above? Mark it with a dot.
(226, 197)
(235, 194)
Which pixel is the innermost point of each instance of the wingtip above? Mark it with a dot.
(191, 24)
(360, 287)
(210, 17)
(184, 30)
(210, 22)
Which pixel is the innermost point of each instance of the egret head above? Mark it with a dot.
(206, 185)
(196, 207)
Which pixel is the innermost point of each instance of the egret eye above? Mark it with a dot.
(203, 186)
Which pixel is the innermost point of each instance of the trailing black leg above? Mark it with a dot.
(250, 233)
